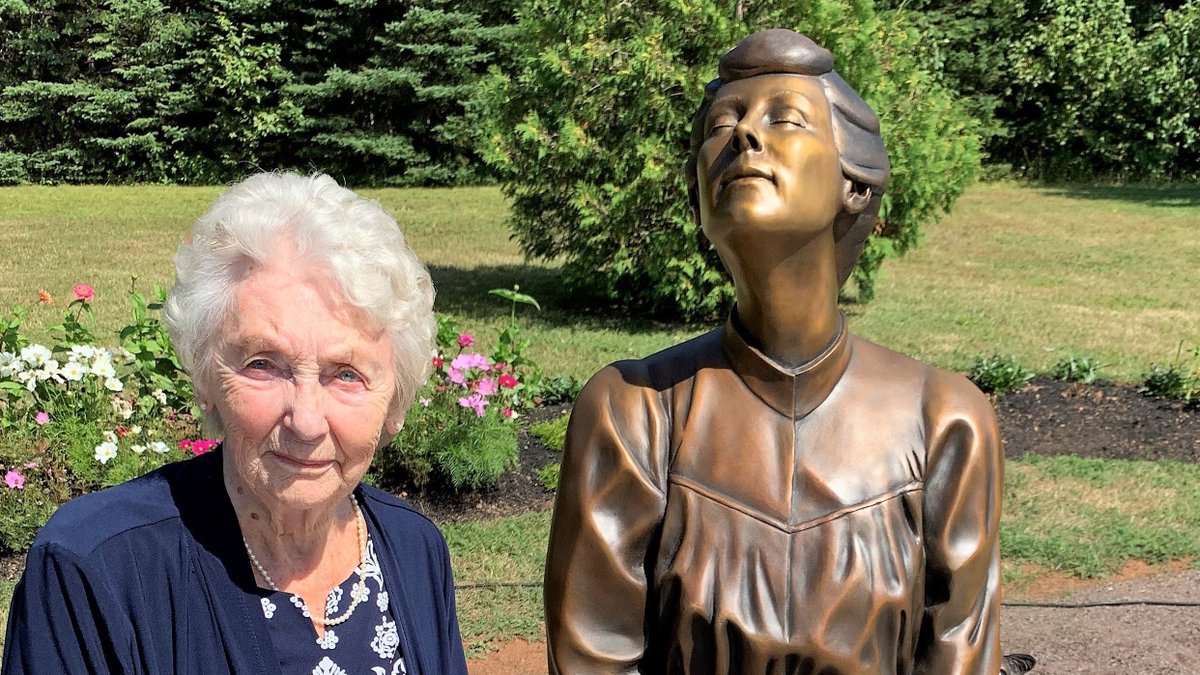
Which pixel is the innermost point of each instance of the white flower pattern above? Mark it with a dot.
(333, 600)
(387, 639)
(381, 600)
(328, 667)
(329, 640)
(268, 608)
(299, 603)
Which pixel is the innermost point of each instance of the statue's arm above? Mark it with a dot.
(609, 506)
(964, 477)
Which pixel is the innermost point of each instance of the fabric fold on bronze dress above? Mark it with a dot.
(719, 513)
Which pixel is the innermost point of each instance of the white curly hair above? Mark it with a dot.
(328, 225)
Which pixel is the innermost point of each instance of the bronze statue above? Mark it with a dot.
(778, 495)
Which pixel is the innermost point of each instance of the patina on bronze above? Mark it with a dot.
(779, 496)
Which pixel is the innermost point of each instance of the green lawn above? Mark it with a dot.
(1035, 272)
(1038, 273)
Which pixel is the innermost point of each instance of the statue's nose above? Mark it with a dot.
(745, 138)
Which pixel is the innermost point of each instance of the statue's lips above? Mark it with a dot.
(744, 174)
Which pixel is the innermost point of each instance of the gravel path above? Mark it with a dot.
(1130, 640)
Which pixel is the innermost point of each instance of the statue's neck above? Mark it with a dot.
(787, 300)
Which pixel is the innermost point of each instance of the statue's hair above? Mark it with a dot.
(860, 148)
(329, 226)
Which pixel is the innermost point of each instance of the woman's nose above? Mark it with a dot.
(745, 138)
(306, 419)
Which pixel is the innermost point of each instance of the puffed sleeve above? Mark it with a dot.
(62, 621)
(609, 506)
(964, 475)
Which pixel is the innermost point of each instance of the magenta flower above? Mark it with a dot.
(474, 402)
(455, 375)
(508, 413)
(465, 340)
(508, 381)
(41, 418)
(486, 386)
(84, 292)
(15, 479)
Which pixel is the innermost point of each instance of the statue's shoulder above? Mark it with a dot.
(662, 370)
(941, 392)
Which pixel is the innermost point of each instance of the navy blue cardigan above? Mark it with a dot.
(151, 577)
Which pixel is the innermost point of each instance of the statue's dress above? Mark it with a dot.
(718, 513)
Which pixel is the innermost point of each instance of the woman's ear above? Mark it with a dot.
(855, 196)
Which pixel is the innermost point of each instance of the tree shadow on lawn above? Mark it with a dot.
(1163, 196)
(464, 292)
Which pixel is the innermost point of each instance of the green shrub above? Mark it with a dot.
(552, 433)
(1083, 369)
(1168, 381)
(589, 134)
(558, 390)
(548, 476)
(999, 374)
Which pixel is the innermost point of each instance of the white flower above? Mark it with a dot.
(73, 371)
(110, 436)
(43, 374)
(139, 449)
(387, 639)
(29, 377)
(398, 668)
(35, 355)
(126, 355)
(10, 365)
(160, 396)
(113, 384)
(135, 430)
(82, 352)
(268, 608)
(381, 601)
(159, 447)
(103, 369)
(359, 591)
(328, 667)
(106, 451)
(329, 640)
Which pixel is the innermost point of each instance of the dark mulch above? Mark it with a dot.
(1104, 420)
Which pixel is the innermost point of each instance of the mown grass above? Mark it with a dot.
(1038, 273)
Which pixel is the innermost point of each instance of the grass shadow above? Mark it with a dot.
(464, 292)
(1164, 196)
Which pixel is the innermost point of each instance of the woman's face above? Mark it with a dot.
(768, 165)
(302, 386)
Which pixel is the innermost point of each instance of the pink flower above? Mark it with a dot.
(44, 297)
(468, 361)
(185, 444)
(202, 446)
(465, 340)
(486, 386)
(41, 418)
(437, 362)
(455, 375)
(474, 402)
(14, 479)
(508, 381)
(32, 465)
(508, 413)
(84, 292)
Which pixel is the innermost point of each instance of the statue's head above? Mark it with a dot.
(783, 147)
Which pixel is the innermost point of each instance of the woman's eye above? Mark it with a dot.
(720, 125)
(259, 364)
(793, 120)
(346, 375)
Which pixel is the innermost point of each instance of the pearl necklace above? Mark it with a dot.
(356, 595)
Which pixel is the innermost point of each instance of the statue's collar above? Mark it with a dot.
(794, 392)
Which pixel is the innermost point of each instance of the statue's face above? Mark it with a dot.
(768, 164)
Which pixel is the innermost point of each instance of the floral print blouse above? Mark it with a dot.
(368, 643)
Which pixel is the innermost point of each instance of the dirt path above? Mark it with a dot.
(1135, 640)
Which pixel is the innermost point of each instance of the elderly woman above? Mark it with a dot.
(779, 496)
(305, 323)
